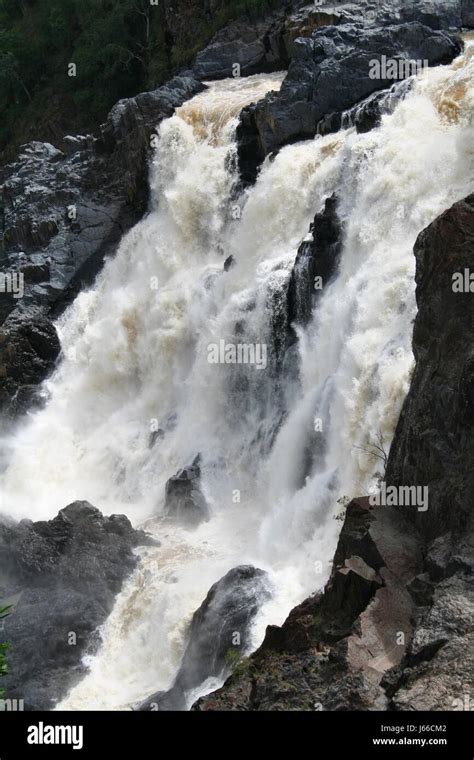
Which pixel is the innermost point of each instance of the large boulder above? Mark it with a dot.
(65, 574)
(184, 500)
(218, 636)
(242, 43)
(315, 264)
(29, 347)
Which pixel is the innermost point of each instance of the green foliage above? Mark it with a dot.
(232, 657)
(242, 669)
(120, 47)
(4, 611)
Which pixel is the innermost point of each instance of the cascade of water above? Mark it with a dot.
(276, 454)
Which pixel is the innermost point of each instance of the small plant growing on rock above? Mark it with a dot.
(4, 611)
(232, 657)
(378, 451)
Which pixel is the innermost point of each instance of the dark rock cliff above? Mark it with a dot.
(184, 499)
(63, 575)
(433, 441)
(394, 626)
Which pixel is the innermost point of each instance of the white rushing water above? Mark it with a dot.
(135, 357)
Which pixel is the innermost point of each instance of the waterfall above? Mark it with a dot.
(135, 397)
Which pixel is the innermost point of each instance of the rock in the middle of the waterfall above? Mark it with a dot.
(184, 500)
(219, 634)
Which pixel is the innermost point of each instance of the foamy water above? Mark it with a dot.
(135, 351)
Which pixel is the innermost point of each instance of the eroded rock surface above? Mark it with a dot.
(184, 500)
(64, 575)
(329, 73)
(218, 635)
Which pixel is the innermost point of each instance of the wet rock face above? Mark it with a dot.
(184, 500)
(329, 73)
(315, 264)
(394, 626)
(447, 14)
(63, 212)
(367, 114)
(29, 347)
(268, 44)
(219, 634)
(64, 575)
(126, 134)
(291, 303)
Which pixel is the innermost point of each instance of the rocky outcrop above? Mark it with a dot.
(367, 114)
(63, 212)
(184, 500)
(241, 44)
(437, 672)
(29, 347)
(263, 45)
(315, 264)
(447, 14)
(218, 636)
(125, 136)
(333, 649)
(292, 299)
(394, 626)
(433, 440)
(268, 43)
(433, 446)
(64, 575)
(329, 73)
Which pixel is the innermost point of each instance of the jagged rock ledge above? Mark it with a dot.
(332, 650)
(330, 72)
(184, 500)
(63, 575)
(218, 635)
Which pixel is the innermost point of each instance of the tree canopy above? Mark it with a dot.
(119, 47)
